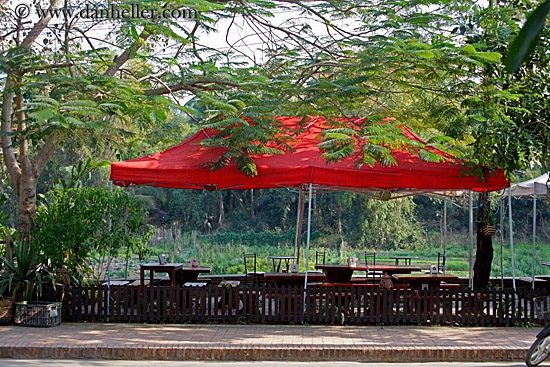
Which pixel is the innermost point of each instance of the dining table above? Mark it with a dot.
(424, 280)
(178, 273)
(392, 269)
(342, 273)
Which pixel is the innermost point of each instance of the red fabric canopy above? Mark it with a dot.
(179, 167)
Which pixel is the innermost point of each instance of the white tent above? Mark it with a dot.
(530, 188)
(536, 186)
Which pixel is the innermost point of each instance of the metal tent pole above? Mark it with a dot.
(444, 228)
(297, 223)
(300, 225)
(307, 247)
(471, 232)
(511, 238)
(534, 236)
(109, 224)
(502, 208)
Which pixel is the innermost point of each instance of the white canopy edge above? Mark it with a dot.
(536, 186)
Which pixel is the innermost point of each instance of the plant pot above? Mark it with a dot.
(489, 230)
(6, 311)
(41, 314)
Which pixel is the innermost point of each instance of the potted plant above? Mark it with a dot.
(488, 224)
(6, 310)
(23, 278)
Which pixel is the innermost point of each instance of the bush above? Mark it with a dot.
(72, 223)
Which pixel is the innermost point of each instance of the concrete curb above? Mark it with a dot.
(288, 353)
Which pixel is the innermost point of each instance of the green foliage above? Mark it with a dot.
(266, 238)
(24, 277)
(381, 225)
(73, 222)
(523, 254)
(526, 41)
(487, 218)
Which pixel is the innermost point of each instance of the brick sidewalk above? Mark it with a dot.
(266, 342)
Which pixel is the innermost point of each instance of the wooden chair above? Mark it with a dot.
(320, 257)
(370, 258)
(250, 269)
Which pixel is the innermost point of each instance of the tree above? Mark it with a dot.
(507, 122)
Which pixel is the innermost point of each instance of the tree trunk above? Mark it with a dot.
(484, 252)
(252, 204)
(341, 232)
(26, 209)
(220, 210)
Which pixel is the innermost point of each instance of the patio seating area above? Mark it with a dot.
(403, 295)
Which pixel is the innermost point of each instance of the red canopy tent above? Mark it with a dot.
(183, 166)
(180, 167)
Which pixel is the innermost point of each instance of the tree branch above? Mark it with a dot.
(7, 149)
(24, 160)
(45, 67)
(45, 154)
(188, 86)
(129, 53)
(40, 25)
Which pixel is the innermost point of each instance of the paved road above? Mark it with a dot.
(111, 363)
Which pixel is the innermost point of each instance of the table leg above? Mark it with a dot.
(173, 277)
(151, 277)
(287, 264)
(142, 277)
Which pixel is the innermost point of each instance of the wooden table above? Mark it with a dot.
(294, 279)
(343, 273)
(278, 260)
(178, 273)
(393, 269)
(339, 273)
(406, 259)
(424, 280)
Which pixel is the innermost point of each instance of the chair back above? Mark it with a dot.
(370, 258)
(320, 257)
(249, 262)
(441, 262)
(249, 266)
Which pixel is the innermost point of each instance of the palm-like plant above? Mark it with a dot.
(22, 276)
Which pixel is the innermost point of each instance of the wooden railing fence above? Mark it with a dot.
(323, 305)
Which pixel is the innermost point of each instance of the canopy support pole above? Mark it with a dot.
(297, 223)
(471, 233)
(307, 248)
(109, 224)
(300, 223)
(511, 238)
(534, 236)
(502, 208)
(444, 228)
